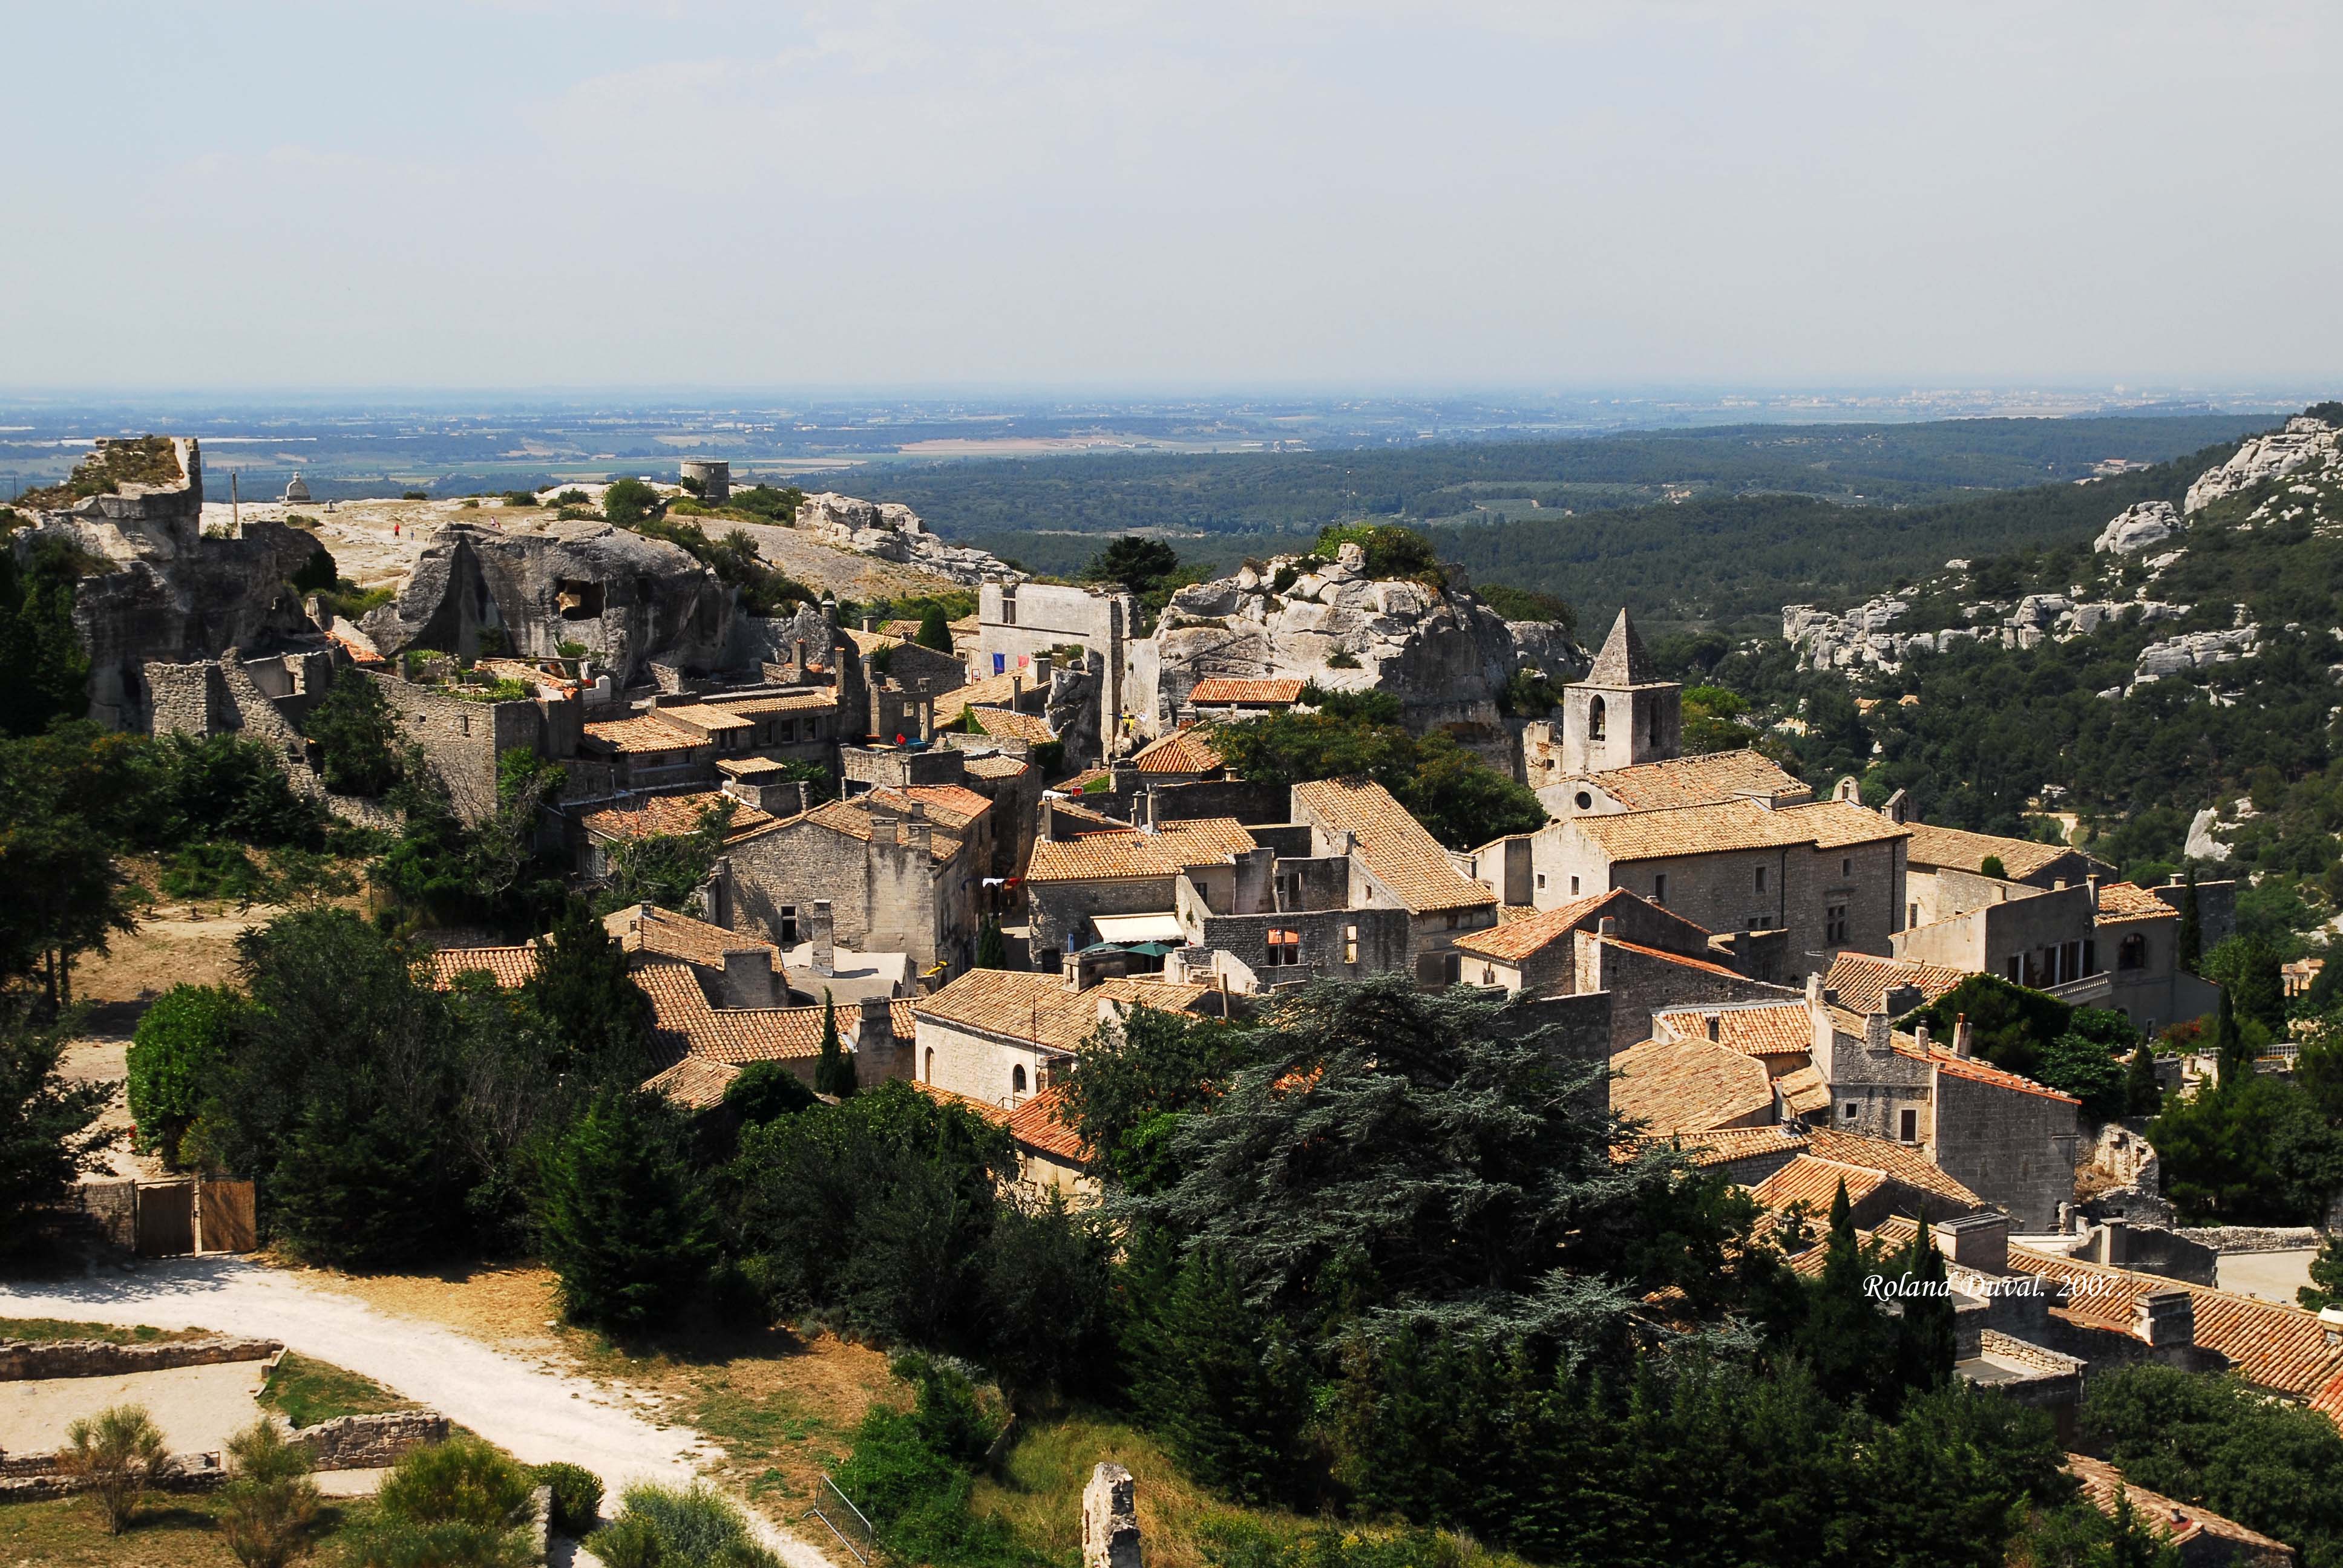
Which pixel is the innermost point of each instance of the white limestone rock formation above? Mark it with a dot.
(1442, 651)
(2195, 650)
(2201, 844)
(889, 531)
(2305, 442)
(2136, 528)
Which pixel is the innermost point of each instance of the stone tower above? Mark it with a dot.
(1620, 714)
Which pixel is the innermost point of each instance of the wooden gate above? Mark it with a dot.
(224, 1216)
(166, 1219)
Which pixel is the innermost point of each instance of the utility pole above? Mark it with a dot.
(234, 506)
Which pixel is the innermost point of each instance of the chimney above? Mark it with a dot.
(1606, 927)
(1878, 1034)
(870, 623)
(801, 664)
(821, 930)
(883, 830)
(1016, 688)
(876, 1049)
(927, 717)
(1920, 1033)
(1147, 809)
(1902, 998)
(1715, 1023)
(1962, 1044)
(2059, 884)
(916, 828)
(2177, 880)
(1813, 991)
(747, 976)
(2092, 882)
(2165, 1317)
(1979, 1241)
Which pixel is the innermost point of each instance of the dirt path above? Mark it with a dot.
(527, 1405)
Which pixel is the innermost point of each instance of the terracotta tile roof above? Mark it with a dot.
(996, 1114)
(1182, 751)
(1803, 1091)
(1692, 780)
(1000, 691)
(2280, 1348)
(509, 967)
(996, 767)
(2121, 901)
(816, 701)
(1035, 1125)
(1732, 825)
(1966, 851)
(1395, 848)
(946, 804)
(1725, 1145)
(1767, 1029)
(1810, 1180)
(1864, 981)
(855, 822)
(1687, 1087)
(1222, 688)
(664, 933)
(705, 720)
(1038, 1008)
(1009, 724)
(2178, 1522)
(694, 1082)
(1679, 959)
(1977, 1069)
(643, 733)
(675, 815)
(901, 1014)
(1124, 851)
(871, 641)
(1084, 819)
(1516, 935)
(683, 1023)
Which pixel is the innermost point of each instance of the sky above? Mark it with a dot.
(1327, 194)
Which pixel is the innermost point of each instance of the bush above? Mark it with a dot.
(765, 1091)
(357, 737)
(390, 1542)
(462, 1481)
(576, 1496)
(117, 1452)
(413, 494)
(1392, 551)
(629, 502)
(214, 870)
(176, 1056)
(520, 498)
(269, 1504)
(665, 1528)
(624, 1226)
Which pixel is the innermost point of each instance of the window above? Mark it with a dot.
(1046, 961)
(1655, 727)
(2131, 953)
(1846, 864)
(2017, 968)
(1488, 974)
(930, 1076)
(1017, 1080)
(1911, 914)
(789, 925)
(1660, 889)
(1834, 925)
(1541, 882)
(1760, 878)
(1584, 799)
(1008, 610)
(1594, 719)
(1573, 887)
(1849, 1110)
(1350, 944)
(1452, 920)
(1909, 1126)
(1284, 948)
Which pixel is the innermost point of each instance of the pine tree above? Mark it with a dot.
(2143, 1094)
(991, 947)
(2191, 947)
(834, 1074)
(624, 1225)
(597, 1020)
(2326, 1286)
(1221, 1383)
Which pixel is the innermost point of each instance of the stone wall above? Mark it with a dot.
(1641, 985)
(2009, 1146)
(26, 1360)
(113, 1208)
(2249, 1237)
(369, 1441)
(462, 739)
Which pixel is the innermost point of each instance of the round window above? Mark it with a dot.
(1584, 801)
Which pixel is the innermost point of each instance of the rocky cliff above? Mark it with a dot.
(887, 531)
(1443, 652)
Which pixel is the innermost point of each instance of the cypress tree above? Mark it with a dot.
(624, 1227)
(1925, 1339)
(597, 1020)
(2237, 1063)
(935, 631)
(1844, 1338)
(991, 947)
(2143, 1095)
(835, 1072)
(2192, 927)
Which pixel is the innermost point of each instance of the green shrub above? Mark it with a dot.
(520, 498)
(462, 1481)
(568, 648)
(576, 1496)
(572, 499)
(269, 1504)
(662, 1527)
(1392, 552)
(392, 1542)
(176, 1054)
(629, 502)
(1528, 604)
(414, 495)
(624, 1222)
(115, 1451)
(213, 870)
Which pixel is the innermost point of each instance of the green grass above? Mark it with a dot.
(182, 1532)
(756, 1431)
(309, 1392)
(48, 1329)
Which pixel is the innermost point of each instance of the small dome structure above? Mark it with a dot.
(297, 490)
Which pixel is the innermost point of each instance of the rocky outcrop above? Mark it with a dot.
(1443, 652)
(2136, 528)
(2305, 442)
(2195, 650)
(629, 599)
(1867, 637)
(160, 589)
(889, 531)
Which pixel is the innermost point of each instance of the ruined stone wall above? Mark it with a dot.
(1379, 938)
(369, 1441)
(26, 1360)
(462, 739)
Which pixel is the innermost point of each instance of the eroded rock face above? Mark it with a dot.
(891, 531)
(2136, 528)
(2304, 443)
(1443, 653)
(629, 599)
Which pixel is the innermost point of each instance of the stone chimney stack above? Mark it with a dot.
(2092, 882)
(1962, 1044)
(883, 830)
(2165, 1317)
(1147, 809)
(821, 930)
(1813, 991)
(1878, 1034)
(1606, 927)
(1715, 1023)
(747, 976)
(1920, 1033)
(916, 828)
(869, 623)
(1111, 1519)
(876, 1049)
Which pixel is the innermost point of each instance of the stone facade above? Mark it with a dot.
(1642, 983)
(463, 739)
(890, 893)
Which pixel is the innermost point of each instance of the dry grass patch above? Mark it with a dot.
(168, 1532)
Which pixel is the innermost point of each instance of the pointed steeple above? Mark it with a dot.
(1622, 662)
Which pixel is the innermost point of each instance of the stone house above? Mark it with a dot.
(1394, 864)
(1752, 1157)
(641, 817)
(1002, 1036)
(1946, 867)
(1086, 869)
(1642, 982)
(1226, 696)
(897, 880)
(1537, 951)
(995, 795)
(904, 684)
(734, 970)
(1829, 876)
(644, 751)
(1016, 622)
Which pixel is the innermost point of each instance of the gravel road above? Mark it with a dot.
(529, 1407)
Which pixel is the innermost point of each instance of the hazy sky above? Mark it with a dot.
(1371, 192)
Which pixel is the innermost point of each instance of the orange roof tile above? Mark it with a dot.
(1395, 848)
(1182, 751)
(1018, 1005)
(811, 701)
(1035, 1125)
(857, 821)
(1724, 1145)
(1864, 981)
(1000, 691)
(1732, 825)
(1803, 1090)
(1703, 965)
(1966, 851)
(1516, 935)
(2121, 901)
(996, 1114)
(674, 816)
(1687, 1086)
(995, 766)
(1702, 780)
(643, 733)
(1009, 724)
(683, 1023)
(509, 967)
(1124, 851)
(1221, 689)
(1765, 1028)
(664, 933)
(694, 1082)
(950, 804)
(2178, 1522)
(1814, 1182)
